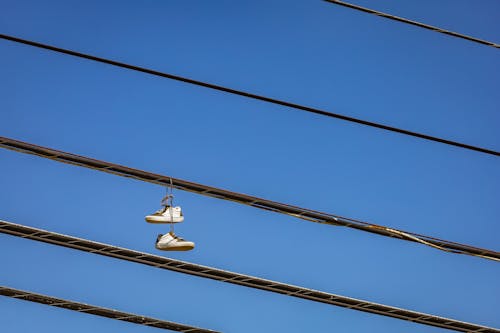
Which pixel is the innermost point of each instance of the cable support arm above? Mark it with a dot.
(252, 96)
(236, 278)
(414, 23)
(295, 211)
(99, 311)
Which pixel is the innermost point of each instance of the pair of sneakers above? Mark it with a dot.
(169, 241)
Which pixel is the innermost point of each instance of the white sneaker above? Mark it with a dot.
(166, 214)
(170, 242)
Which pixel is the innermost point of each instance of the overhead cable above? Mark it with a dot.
(295, 211)
(418, 24)
(250, 95)
(99, 311)
(298, 212)
(236, 278)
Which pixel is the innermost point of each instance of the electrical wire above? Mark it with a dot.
(236, 278)
(418, 24)
(252, 96)
(99, 311)
(295, 211)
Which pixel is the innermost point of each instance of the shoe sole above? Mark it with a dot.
(177, 248)
(161, 220)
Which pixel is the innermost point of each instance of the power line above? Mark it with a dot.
(418, 24)
(298, 212)
(235, 278)
(99, 311)
(250, 95)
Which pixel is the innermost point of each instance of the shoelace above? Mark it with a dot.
(177, 237)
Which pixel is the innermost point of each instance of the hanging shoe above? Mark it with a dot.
(171, 242)
(166, 214)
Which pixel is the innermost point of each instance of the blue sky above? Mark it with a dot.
(307, 52)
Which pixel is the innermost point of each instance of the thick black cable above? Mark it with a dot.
(415, 23)
(250, 95)
(236, 278)
(298, 212)
(99, 311)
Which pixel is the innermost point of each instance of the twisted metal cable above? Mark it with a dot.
(100, 311)
(253, 96)
(415, 23)
(238, 279)
(295, 211)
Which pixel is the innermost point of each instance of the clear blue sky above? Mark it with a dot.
(308, 52)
